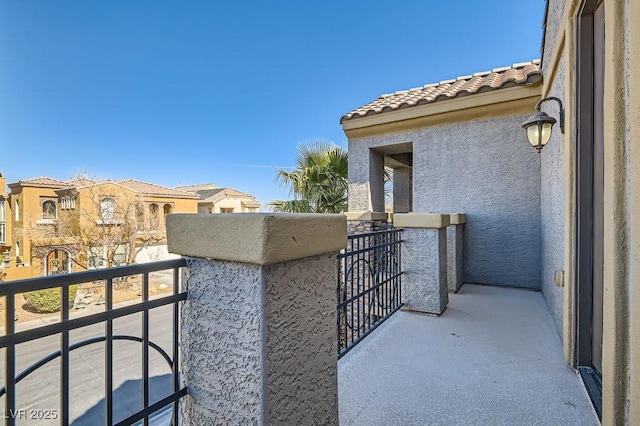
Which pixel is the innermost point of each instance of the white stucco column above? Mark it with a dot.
(455, 249)
(402, 190)
(424, 261)
(258, 328)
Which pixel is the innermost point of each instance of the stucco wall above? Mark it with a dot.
(485, 168)
(301, 342)
(552, 204)
(554, 19)
(258, 343)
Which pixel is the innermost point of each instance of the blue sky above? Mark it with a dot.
(176, 92)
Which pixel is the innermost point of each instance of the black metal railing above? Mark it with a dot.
(12, 338)
(369, 285)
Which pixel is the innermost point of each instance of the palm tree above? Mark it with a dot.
(318, 184)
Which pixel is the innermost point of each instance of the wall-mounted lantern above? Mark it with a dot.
(539, 125)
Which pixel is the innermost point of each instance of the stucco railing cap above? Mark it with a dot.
(256, 238)
(367, 215)
(457, 218)
(421, 220)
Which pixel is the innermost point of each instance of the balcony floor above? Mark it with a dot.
(494, 357)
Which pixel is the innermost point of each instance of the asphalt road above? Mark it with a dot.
(39, 394)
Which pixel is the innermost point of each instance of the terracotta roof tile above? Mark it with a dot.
(41, 181)
(153, 190)
(196, 187)
(525, 73)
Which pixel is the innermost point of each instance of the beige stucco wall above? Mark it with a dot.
(35, 236)
(621, 303)
(234, 203)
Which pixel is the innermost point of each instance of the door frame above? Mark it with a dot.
(584, 219)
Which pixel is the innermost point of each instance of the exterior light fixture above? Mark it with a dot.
(539, 125)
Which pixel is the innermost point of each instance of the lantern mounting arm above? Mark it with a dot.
(560, 114)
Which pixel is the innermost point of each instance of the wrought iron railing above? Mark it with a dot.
(12, 338)
(369, 285)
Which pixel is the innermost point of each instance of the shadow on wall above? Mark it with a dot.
(127, 400)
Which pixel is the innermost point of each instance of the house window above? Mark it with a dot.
(168, 209)
(107, 209)
(98, 256)
(17, 210)
(120, 255)
(153, 212)
(226, 209)
(49, 210)
(58, 261)
(68, 203)
(3, 220)
(17, 249)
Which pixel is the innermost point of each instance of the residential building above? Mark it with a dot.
(565, 221)
(5, 222)
(60, 226)
(212, 199)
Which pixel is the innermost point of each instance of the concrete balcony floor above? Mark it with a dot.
(493, 358)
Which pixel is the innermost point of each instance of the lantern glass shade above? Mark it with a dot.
(538, 129)
(539, 134)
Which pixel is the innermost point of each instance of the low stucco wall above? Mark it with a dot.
(485, 168)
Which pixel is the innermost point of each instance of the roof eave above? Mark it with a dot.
(456, 109)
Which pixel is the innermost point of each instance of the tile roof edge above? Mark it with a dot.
(532, 78)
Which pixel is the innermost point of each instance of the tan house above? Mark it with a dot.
(212, 199)
(59, 226)
(565, 221)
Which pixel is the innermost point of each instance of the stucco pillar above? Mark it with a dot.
(376, 181)
(258, 328)
(424, 261)
(455, 246)
(402, 190)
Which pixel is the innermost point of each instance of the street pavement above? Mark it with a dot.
(39, 393)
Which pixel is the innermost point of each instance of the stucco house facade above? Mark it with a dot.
(212, 199)
(565, 221)
(56, 226)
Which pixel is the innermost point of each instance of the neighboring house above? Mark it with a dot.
(212, 199)
(63, 226)
(565, 221)
(5, 225)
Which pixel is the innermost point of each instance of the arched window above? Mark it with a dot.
(58, 261)
(153, 215)
(168, 209)
(49, 210)
(107, 209)
(139, 212)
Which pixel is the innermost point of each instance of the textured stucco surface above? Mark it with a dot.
(424, 262)
(455, 256)
(554, 19)
(258, 342)
(485, 168)
(301, 341)
(222, 342)
(552, 205)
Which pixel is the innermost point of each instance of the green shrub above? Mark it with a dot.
(49, 300)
